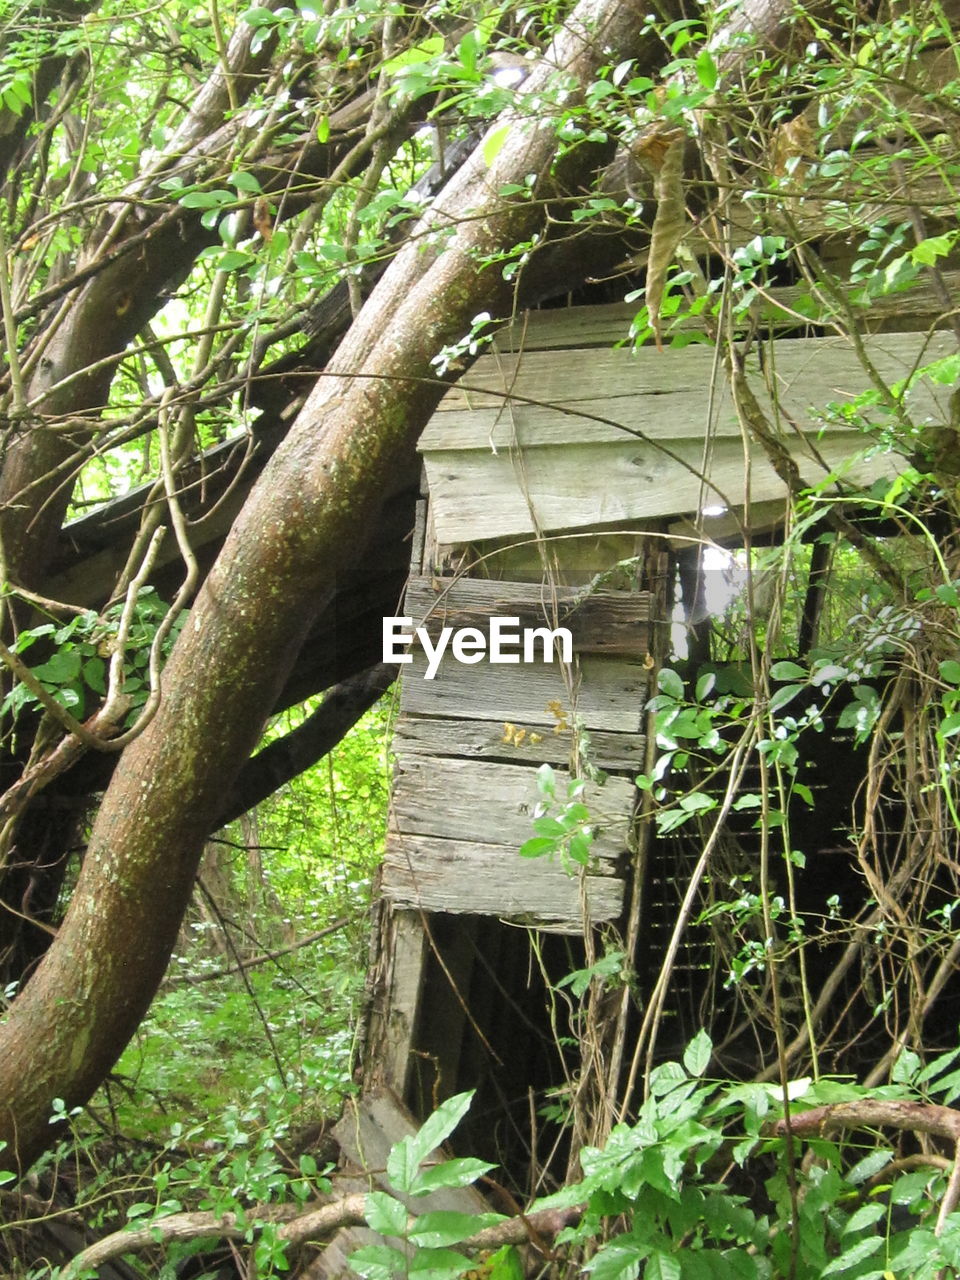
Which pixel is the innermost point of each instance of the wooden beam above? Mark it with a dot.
(496, 740)
(611, 622)
(467, 877)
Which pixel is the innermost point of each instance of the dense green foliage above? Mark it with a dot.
(274, 154)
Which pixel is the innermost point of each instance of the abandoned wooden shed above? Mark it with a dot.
(562, 478)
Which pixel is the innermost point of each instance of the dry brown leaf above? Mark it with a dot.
(663, 154)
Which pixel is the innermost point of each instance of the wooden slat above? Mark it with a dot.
(667, 394)
(467, 877)
(613, 622)
(611, 694)
(394, 1012)
(491, 803)
(603, 325)
(484, 740)
(477, 496)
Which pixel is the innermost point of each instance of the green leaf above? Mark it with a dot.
(422, 52)
(94, 674)
(867, 1214)
(803, 791)
(26, 638)
(851, 1257)
(505, 1264)
(244, 181)
(258, 16)
(926, 253)
(906, 1067)
(452, 1173)
(377, 1262)
(61, 668)
(445, 1226)
(537, 847)
(546, 782)
(696, 1056)
(580, 846)
(438, 1264)
(140, 1209)
(467, 51)
(749, 801)
(787, 671)
(323, 129)
(233, 259)
(706, 70)
(865, 1169)
(494, 142)
(697, 802)
(207, 199)
(705, 685)
(402, 1164)
(662, 1266)
(828, 672)
(385, 1215)
(618, 1260)
(950, 671)
(438, 1127)
(782, 697)
(670, 683)
(550, 828)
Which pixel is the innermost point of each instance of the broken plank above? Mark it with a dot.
(375, 1123)
(491, 740)
(468, 877)
(495, 803)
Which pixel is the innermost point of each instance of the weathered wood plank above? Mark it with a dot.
(494, 804)
(576, 560)
(610, 694)
(398, 985)
(487, 740)
(368, 1129)
(467, 877)
(476, 495)
(602, 325)
(612, 622)
(666, 394)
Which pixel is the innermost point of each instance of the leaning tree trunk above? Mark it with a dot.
(299, 528)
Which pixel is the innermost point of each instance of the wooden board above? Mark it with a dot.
(367, 1130)
(609, 695)
(477, 496)
(604, 324)
(613, 622)
(805, 371)
(572, 439)
(467, 877)
(489, 740)
(396, 983)
(491, 803)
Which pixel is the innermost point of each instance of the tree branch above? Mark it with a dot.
(298, 1227)
(288, 756)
